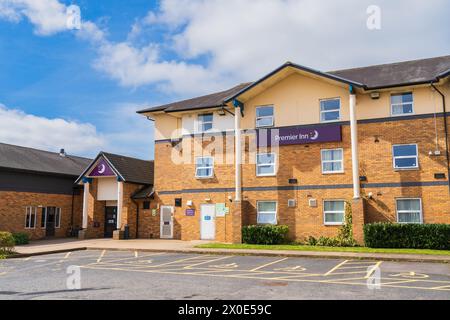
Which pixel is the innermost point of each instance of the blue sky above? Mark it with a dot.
(79, 89)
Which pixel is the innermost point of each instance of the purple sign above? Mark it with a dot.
(298, 135)
(190, 212)
(102, 170)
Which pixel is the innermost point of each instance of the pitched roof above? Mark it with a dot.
(144, 193)
(203, 102)
(397, 74)
(371, 77)
(130, 169)
(34, 160)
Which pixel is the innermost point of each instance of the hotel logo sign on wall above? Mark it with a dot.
(102, 169)
(298, 135)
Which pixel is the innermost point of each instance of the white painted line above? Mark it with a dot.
(136, 254)
(268, 264)
(203, 262)
(67, 255)
(336, 267)
(372, 270)
(101, 256)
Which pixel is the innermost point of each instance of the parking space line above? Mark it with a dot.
(101, 256)
(397, 282)
(447, 287)
(209, 261)
(373, 269)
(268, 264)
(336, 267)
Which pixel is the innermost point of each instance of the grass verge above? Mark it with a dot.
(322, 249)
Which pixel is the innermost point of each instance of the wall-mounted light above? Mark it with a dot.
(221, 112)
(375, 95)
(189, 203)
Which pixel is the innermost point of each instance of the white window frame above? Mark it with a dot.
(272, 117)
(209, 167)
(322, 161)
(406, 211)
(201, 123)
(324, 213)
(266, 212)
(401, 104)
(405, 157)
(333, 110)
(32, 211)
(274, 165)
(57, 218)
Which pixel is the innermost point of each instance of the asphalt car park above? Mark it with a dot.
(102, 274)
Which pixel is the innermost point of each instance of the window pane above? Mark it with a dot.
(405, 150)
(206, 117)
(330, 116)
(334, 206)
(264, 111)
(267, 218)
(265, 170)
(265, 158)
(409, 217)
(204, 162)
(43, 218)
(408, 204)
(206, 126)
(331, 155)
(405, 162)
(334, 217)
(332, 166)
(204, 172)
(264, 122)
(401, 98)
(330, 104)
(267, 206)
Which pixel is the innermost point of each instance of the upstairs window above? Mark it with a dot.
(204, 167)
(265, 164)
(409, 211)
(267, 212)
(332, 161)
(405, 156)
(205, 122)
(330, 110)
(402, 104)
(30, 217)
(264, 116)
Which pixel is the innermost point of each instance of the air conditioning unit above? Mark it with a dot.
(292, 203)
(312, 203)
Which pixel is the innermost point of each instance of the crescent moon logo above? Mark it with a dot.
(315, 136)
(101, 168)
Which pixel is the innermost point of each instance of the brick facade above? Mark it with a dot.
(13, 211)
(303, 162)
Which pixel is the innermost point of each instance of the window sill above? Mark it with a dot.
(334, 172)
(265, 176)
(406, 169)
(204, 178)
(337, 224)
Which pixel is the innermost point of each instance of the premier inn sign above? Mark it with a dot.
(298, 135)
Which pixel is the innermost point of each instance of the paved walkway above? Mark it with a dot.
(159, 245)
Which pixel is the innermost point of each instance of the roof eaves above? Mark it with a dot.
(299, 67)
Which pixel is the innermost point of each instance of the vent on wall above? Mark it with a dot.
(292, 203)
(312, 203)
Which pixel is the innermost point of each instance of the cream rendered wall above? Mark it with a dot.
(296, 101)
(107, 189)
(220, 123)
(166, 126)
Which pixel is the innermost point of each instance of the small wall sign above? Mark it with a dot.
(221, 209)
(153, 212)
(190, 212)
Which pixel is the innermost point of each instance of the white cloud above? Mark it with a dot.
(48, 16)
(213, 44)
(18, 127)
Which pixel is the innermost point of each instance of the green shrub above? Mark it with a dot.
(21, 238)
(6, 243)
(414, 236)
(264, 234)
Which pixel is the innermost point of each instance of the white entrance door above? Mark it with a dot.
(166, 231)
(208, 222)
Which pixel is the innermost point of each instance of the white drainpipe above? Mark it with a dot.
(85, 205)
(238, 154)
(354, 141)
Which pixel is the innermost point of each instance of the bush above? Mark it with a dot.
(415, 236)
(6, 243)
(264, 234)
(21, 238)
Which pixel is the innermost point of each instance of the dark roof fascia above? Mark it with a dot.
(45, 173)
(197, 108)
(405, 84)
(155, 109)
(299, 67)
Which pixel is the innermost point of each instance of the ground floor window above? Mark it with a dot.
(267, 212)
(58, 218)
(333, 212)
(30, 218)
(44, 216)
(409, 210)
